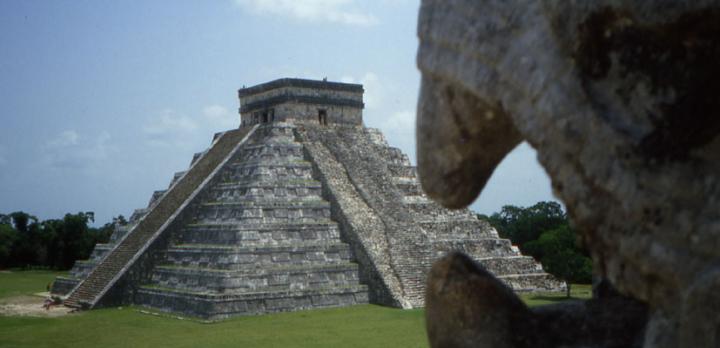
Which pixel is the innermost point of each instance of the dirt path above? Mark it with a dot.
(30, 306)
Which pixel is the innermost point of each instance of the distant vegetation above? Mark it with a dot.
(26, 242)
(543, 232)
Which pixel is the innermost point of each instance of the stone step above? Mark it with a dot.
(262, 225)
(267, 165)
(259, 234)
(288, 162)
(267, 181)
(100, 251)
(405, 180)
(196, 156)
(267, 172)
(234, 257)
(256, 212)
(420, 199)
(500, 266)
(470, 228)
(402, 170)
(176, 177)
(478, 248)
(82, 268)
(137, 215)
(220, 306)
(259, 184)
(266, 191)
(429, 210)
(409, 187)
(120, 231)
(393, 155)
(253, 202)
(533, 282)
(271, 150)
(254, 279)
(279, 143)
(155, 197)
(63, 285)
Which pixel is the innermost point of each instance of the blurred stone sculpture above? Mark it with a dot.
(620, 101)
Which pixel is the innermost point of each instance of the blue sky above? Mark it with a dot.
(102, 101)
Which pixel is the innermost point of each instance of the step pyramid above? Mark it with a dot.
(290, 212)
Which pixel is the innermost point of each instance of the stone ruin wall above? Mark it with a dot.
(301, 104)
(308, 113)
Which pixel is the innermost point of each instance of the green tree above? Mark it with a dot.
(522, 225)
(76, 238)
(560, 256)
(52, 230)
(120, 220)
(25, 248)
(102, 234)
(543, 232)
(8, 237)
(54, 243)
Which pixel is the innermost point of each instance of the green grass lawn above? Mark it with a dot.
(25, 282)
(358, 326)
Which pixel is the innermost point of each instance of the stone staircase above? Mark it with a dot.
(260, 241)
(111, 267)
(460, 230)
(63, 285)
(418, 230)
(369, 172)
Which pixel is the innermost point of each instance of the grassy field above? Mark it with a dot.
(358, 326)
(25, 282)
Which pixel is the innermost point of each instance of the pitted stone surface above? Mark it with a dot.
(616, 97)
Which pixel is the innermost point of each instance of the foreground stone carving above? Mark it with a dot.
(467, 306)
(618, 100)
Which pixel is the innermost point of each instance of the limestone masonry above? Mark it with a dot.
(301, 207)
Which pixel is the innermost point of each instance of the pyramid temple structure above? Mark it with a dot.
(300, 207)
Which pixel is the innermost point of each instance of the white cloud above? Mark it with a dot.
(173, 130)
(68, 150)
(400, 122)
(215, 111)
(169, 122)
(373, 89)
(221, 117)
(333, 11)
(65, 138)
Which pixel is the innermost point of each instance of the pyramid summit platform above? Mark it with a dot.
(300, 207)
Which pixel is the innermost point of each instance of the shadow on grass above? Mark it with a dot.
(553, 298)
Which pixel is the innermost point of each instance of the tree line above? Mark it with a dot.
(27, 242)
(543, 232)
